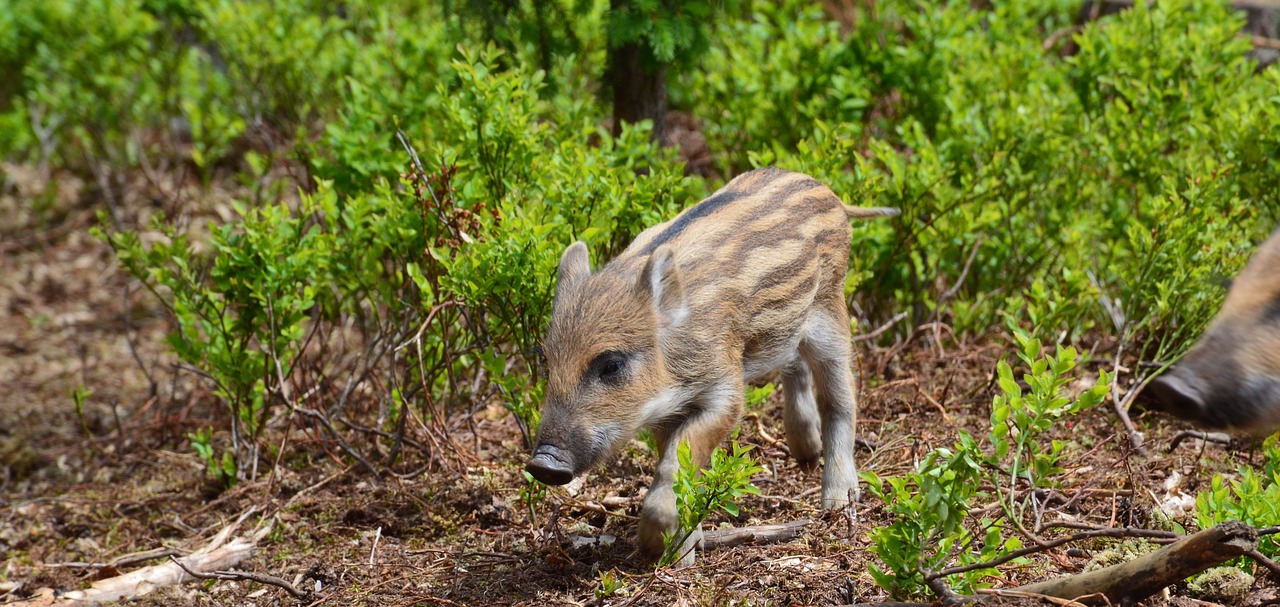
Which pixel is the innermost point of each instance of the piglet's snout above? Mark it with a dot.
(1178, 396)
(551, 464)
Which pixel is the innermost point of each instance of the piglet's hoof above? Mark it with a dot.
(689, 549)
(655, 524)
(687, 553)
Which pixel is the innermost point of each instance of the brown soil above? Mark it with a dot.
(119, 477)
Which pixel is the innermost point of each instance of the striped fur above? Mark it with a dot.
(1231, 378)
(665, 336)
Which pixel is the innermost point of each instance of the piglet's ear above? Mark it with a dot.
(661, 280)
(574, 267)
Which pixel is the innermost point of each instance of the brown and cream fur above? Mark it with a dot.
(666, 335)
(1231, 378)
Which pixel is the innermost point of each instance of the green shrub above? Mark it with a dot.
(80, 80)
(701, 492)
(1167, 269)
(242, 313)
(280, 59)
(795, 69)
(1253, 498)
(207, 107)
(396, 80)
(1020, 419)
(931, 505)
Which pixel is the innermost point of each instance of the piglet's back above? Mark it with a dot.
(754, 237)
(765, 242)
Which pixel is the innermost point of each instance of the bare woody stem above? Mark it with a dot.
(1074, 537)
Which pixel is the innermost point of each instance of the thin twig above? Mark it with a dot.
(1121, 404)
(373, 552)
(1264, 42)
(316, 486)
(964, 273)
(759, 423)
(1261, 559)
(933, 401)
(1074, 537)
(42, 238)
(130, 336)
(882, 328)
(1208, 437)
(261, 578)
(333, 434)
(1059, 34)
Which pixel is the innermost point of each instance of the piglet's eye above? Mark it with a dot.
(609, 367)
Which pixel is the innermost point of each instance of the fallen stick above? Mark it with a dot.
(1130, 582)
(260, 578)
(124, 561)
(1220, 438)
(762, 534)
(219, 554)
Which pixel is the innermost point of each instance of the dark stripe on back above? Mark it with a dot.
(786, 272)
(804, 287)
(742, 244)
(716, 202)
(800, 185)
(834, 237)
(758, 178)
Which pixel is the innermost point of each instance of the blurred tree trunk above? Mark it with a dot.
(639, 84)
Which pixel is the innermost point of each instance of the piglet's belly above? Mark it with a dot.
(764, 362)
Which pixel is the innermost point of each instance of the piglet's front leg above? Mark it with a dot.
(658, 515)
(659, 518)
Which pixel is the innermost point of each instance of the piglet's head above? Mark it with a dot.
(1231, 378)
(606, 371)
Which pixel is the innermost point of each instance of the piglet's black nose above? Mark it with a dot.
(551, 465)
(1179, 397)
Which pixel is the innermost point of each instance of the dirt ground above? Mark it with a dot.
(82, 489)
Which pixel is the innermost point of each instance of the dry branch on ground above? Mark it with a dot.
(218, 554)
(1144, 576)
(760, 534)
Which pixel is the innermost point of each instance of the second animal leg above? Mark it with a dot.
(800, 415)
(829, 351)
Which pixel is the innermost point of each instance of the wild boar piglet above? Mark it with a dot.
(666, 335)
(1231, 378)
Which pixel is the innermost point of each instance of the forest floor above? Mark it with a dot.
(118, 477)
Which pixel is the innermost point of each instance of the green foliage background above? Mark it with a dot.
(1103, 192)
